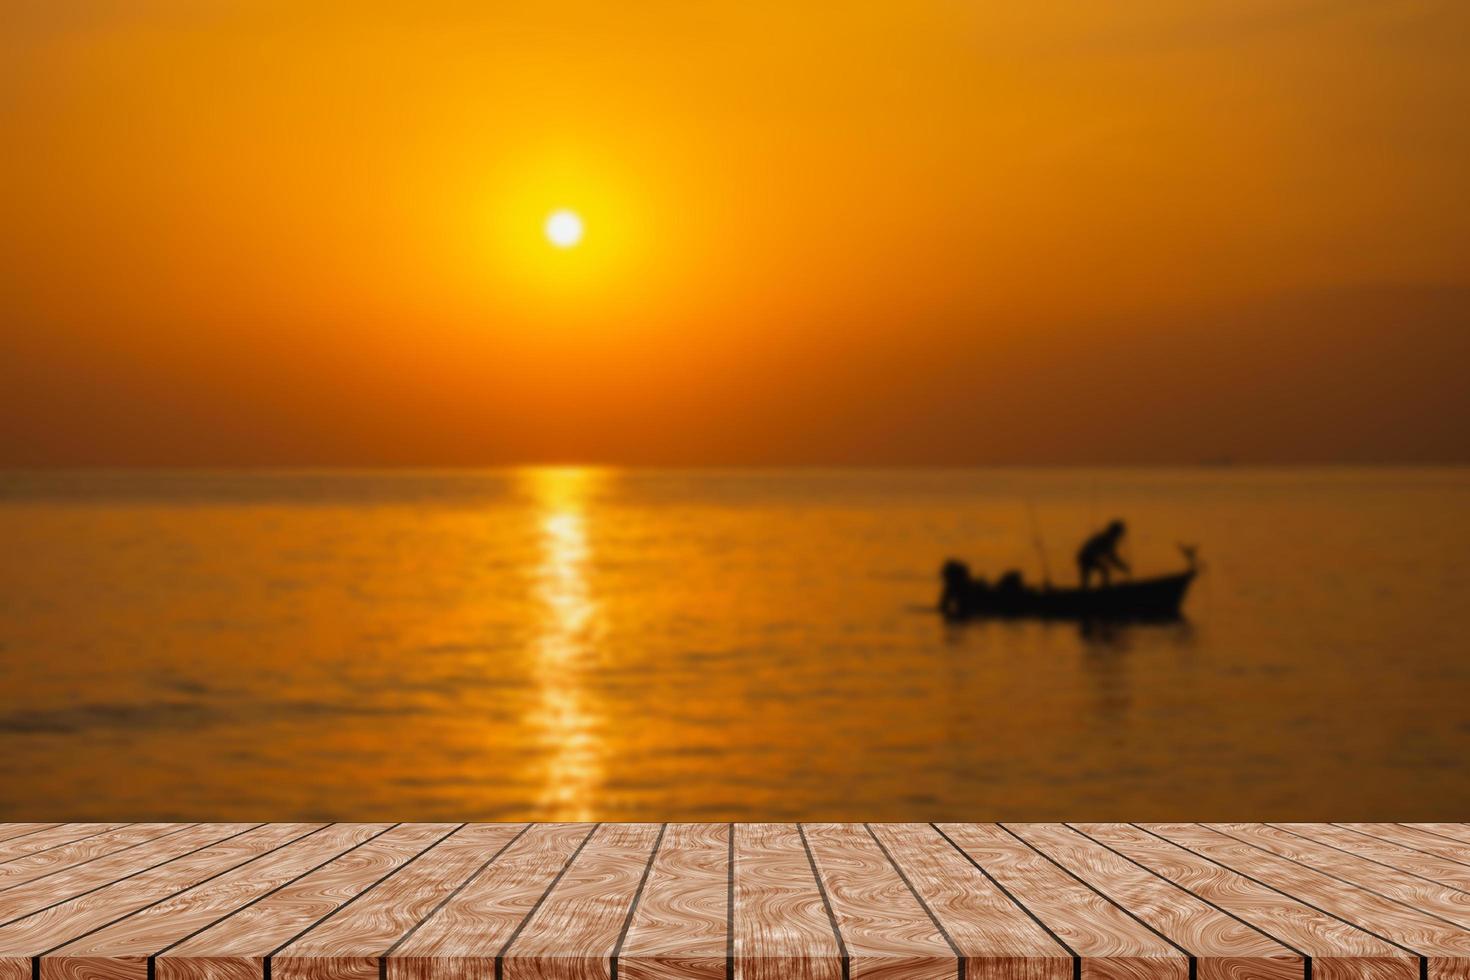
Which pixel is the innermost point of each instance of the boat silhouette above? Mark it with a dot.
(1156, 599)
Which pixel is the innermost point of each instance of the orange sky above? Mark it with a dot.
(304, 233)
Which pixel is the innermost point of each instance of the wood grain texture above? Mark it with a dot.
(573, 934)
(48, 836)
(235, 948)
(20, 940)
(1225, 948)
(120, 950)
(1424, 841)
(1111, 944)
(12, 831)
(1455, 831)
(749, 901)
(115, 873)
(1446, 946)
(217, 847)
(1387, 853)
(113, 904)
(350, 943)
(996, 936)
(464, 937)
(680, 929)
(39, 893)
(1339, 950)
(128, 943)
(782, 931)
(20, 870)
(1427, 896)
(889, 933)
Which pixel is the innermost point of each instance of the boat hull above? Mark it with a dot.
(1155, 599)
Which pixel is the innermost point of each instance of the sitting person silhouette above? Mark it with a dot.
(1099, 553)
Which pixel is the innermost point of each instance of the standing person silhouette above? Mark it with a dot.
(1099, 553)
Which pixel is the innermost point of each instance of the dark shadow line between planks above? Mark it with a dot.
(566, 866)
(262, 897)
(121, 850)
(1286, 829)
(266, 967)
(67, 843)
(1386, 840)
(1345, 881)
(1189, 957)
(382, 964)
(1306, 958)
(172, 895)
(1423, 960)
(958, 956)
(730, 907)
(633, 908)
(826, 904)
(131, 874)
(39, 830)
(1433, 833)
(1076, 957)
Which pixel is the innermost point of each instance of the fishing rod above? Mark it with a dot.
(1036, 540)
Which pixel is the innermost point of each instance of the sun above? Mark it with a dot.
(563, 228)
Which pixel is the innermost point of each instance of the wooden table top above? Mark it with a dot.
(306, 901)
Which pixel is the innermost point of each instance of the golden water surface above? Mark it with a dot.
(582, 643)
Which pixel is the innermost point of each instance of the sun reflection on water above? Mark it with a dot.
(564, 717)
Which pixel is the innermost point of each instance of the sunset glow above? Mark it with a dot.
(369, 234)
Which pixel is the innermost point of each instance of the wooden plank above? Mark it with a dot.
(1454, 831)
(1430, 897)
(1387, 853)
(1417, 838)
(57, 835)
(121, 951)
(14, 831)
(888, 932)
(1223, 946)
(236, 947)
(52, 860)
(575, 932)
(1111, 944)
(996, 935)
(680, 929)
(218, 847)
(463, 938)
(753, 902)
(1446, 947)
(124, 865)
(1339, 950)
(782, 930)
(350, 944)
(110, 905)
(10, 831)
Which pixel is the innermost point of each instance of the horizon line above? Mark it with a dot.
(345, 468)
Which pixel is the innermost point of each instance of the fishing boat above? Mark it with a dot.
(1144, 599)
